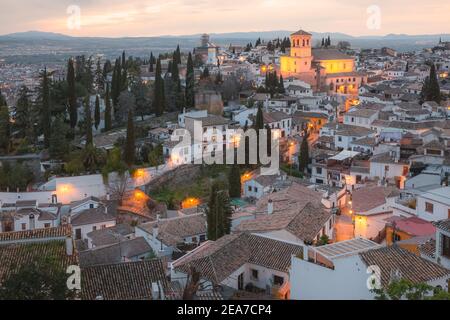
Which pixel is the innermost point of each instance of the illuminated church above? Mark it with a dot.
(327, 70)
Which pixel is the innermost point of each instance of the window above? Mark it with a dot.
(250, 188)
(194, 239)
(256, 189)
(397, 237)
(445, 246)
(46, 225)
(77, 234)
(254, 274)
(277, 280)
(91, 206)
(339, 138)
(202, 238)
(429, 207)
(94, 228)
(319, 170)
(24, 226)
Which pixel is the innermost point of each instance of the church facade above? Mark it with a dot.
(327, 70)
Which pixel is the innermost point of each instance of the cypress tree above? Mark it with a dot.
(190, 83)
(130, 140)
(434, 92)
(5, 128)
(205, 74)
(281, 88)
(159, 100)
(58, 147)
(72, 99)
(303, 158)
(259, 123)
(45, 107)
(97, 112)
(151, 69)
(234, 182)
(88, 122)
(123, 81)
(175, 71)
(177, 57)
(218, 213)
(23, 113)
(107, 109)
(2, 100)
(124, 60)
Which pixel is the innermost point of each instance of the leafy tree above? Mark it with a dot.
(130, 147)
(404, 289)
(114, 163)
(190, 83)
(74, 165)
(127, 102)
(15, 176)
(234, 182)
(23, 113)
(218, 213)
(58, 142)
(5, 129)
(108, 110)
(303, 158)
(2, 100)
(141, 93)
(99, 77)
(323, 240)
(97, 112)
(92, 158)
(156, 156)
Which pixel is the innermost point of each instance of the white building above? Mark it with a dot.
(348, 270)
(434, 204)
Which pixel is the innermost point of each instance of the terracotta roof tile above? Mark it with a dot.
(409, 266)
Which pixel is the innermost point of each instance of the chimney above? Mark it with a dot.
(155, 231)
(305, 252)
(108, 196)
(106, 209)
(157, 291)
(270, 207)
(69, 246)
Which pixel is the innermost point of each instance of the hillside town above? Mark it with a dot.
(123, 179)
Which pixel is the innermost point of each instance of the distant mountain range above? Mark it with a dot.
(39, 35)
(48, 47)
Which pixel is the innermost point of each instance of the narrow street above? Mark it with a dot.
(344, 226)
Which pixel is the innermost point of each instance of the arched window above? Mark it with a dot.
(303, 42)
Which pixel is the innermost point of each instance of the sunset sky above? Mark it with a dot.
(113, 18)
